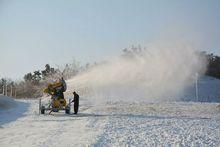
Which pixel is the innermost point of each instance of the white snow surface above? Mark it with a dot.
(113, 124)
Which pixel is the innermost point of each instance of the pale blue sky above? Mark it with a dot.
(33, 33)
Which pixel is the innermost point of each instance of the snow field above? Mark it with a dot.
(115, 124)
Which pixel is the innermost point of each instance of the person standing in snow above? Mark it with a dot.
(76, 102)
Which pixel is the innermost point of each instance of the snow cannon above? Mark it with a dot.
(57, 102)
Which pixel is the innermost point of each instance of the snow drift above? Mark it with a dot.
(208, 90)
(11, 110)
(156, 73)
(6, 103)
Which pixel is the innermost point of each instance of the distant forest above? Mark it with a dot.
(33, 82)
(213, 67)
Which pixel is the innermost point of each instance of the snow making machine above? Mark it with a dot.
(57, 102)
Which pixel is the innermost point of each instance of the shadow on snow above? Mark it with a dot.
(119, 116)
(7, 116)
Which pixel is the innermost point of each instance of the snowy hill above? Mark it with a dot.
(6, 103)
(10, 109)
(208, 90)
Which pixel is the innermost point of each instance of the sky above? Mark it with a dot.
(36, 32)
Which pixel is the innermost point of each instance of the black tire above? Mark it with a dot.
(76, 105)
(42, 110)
(67, 110)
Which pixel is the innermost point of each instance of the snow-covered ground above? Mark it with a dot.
(6, 103)
(11, 110)
(115, 123)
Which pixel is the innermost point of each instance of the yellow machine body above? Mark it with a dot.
(52, 87)
(59, 103)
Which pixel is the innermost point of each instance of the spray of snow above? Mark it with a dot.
(157, 73)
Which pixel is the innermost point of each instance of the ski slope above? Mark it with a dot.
(114, 124)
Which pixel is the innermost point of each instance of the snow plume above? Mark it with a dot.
(157, 73)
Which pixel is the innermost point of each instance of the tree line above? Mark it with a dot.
(33, 82)
(213, 67)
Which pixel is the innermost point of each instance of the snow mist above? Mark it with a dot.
(157, 73)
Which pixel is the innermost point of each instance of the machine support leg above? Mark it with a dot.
(40, 106)
(69, 102)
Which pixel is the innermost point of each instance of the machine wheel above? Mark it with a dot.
(55, 110)
(42, 110)
(76, 105)
(67, 110)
